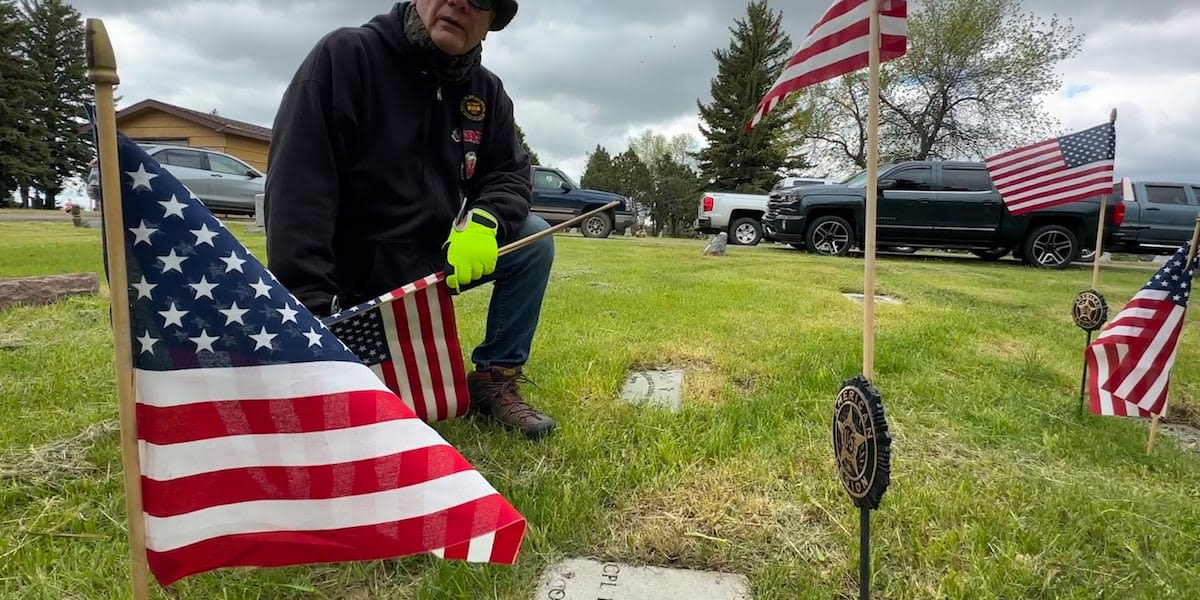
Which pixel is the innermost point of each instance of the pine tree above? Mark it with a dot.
(55, 48)
(598, 173)
(533, 157)
(19, 146)
(735, 160)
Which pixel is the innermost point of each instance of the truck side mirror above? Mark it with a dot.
(887, 184)
(566, 187)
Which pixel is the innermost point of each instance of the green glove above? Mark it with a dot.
(472, 251)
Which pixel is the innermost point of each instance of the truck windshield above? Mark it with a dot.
(857, 180)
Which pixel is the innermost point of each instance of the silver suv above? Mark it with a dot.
(221, 182)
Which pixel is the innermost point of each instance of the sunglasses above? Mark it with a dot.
(483, 4)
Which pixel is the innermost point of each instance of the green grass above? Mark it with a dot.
(1001, 489)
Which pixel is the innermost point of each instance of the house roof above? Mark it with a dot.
(214, 122)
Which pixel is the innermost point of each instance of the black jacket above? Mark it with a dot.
(366, 155)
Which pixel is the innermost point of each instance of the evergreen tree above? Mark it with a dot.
(19, 146)
(55, 47)
(533, 157)
(634, 181)
(747, 161)
(599, 173)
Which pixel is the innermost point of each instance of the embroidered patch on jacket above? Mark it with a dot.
(456, 136)
(473, 136)
(473, 107)
(469, 164)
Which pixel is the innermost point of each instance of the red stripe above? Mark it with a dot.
(400, 311)
(853, 31)
(318, 482)
(457, 551)
(431, 353)
(1004, 181)
(375, 542)
(1044, 205)
(450, 323)
(508, 543)
(390, 380)
(1052, 186)
(207, 420)
(1000, 160)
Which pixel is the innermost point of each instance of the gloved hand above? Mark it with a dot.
(471, 253)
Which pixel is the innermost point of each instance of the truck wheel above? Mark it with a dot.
(745, 232)
(1050, 247)
(597, 226)
(829, 235)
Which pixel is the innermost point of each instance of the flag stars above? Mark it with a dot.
(261, 288)
(143, 288)
(174, 316)
(288, 314)
(147, 342)
(204, 341)
(233, 314)
(141, 178)
(263, 339)
(173, 207)
(172, 262)
(141, 234)
(314, 338)
(203, 288)
(234, 263)
(204, 235)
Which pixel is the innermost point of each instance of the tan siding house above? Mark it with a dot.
(155, 121)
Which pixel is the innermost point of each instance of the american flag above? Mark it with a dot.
(263, 440)
(839, 44)
(1129, 363)
(409, 338)
(1073, 167)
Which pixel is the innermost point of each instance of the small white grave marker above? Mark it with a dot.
(878, 299)
(579, 579)
(662, 388)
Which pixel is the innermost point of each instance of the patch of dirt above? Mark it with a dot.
(61, 458)
(1183, 412)
(721, 519)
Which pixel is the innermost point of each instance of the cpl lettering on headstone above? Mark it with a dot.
(662, 388)
(878, 299)
(580, 579)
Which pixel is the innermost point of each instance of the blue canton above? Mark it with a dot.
(1173, 278)
(197, 297)
(365, 337)
(1090, 145)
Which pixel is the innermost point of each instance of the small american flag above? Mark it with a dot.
(409, 338)
(1073, 167)
(263, 441)
(1129, 363)
(839, 44)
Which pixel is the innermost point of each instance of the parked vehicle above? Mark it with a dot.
(1159, 216)
(740, 215)
(556, 198)
(934, 204)
(222, 182)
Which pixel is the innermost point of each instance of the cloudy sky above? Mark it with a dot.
(590, 72)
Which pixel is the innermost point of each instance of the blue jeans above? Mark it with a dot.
(520, 281)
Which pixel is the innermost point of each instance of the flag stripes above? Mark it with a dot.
(836, 45)
(1056, 171)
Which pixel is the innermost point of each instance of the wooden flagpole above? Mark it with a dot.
(102, 72)
(872, 196)
(1099, 248)
(1191, 255)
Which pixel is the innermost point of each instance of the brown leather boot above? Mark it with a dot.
(494, 395)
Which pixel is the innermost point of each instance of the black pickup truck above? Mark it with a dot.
(934, 204)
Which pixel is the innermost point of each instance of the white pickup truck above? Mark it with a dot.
(740, 215)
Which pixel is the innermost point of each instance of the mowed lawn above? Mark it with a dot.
(1001, 488)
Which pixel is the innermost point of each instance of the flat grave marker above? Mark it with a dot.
(659, 387)
(582, 579)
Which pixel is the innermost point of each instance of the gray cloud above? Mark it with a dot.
(591, 72)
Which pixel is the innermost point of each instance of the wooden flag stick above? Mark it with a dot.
(872, 197)
(102, 72)
(1099, 247)
(1191, 255)
(525, 241)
